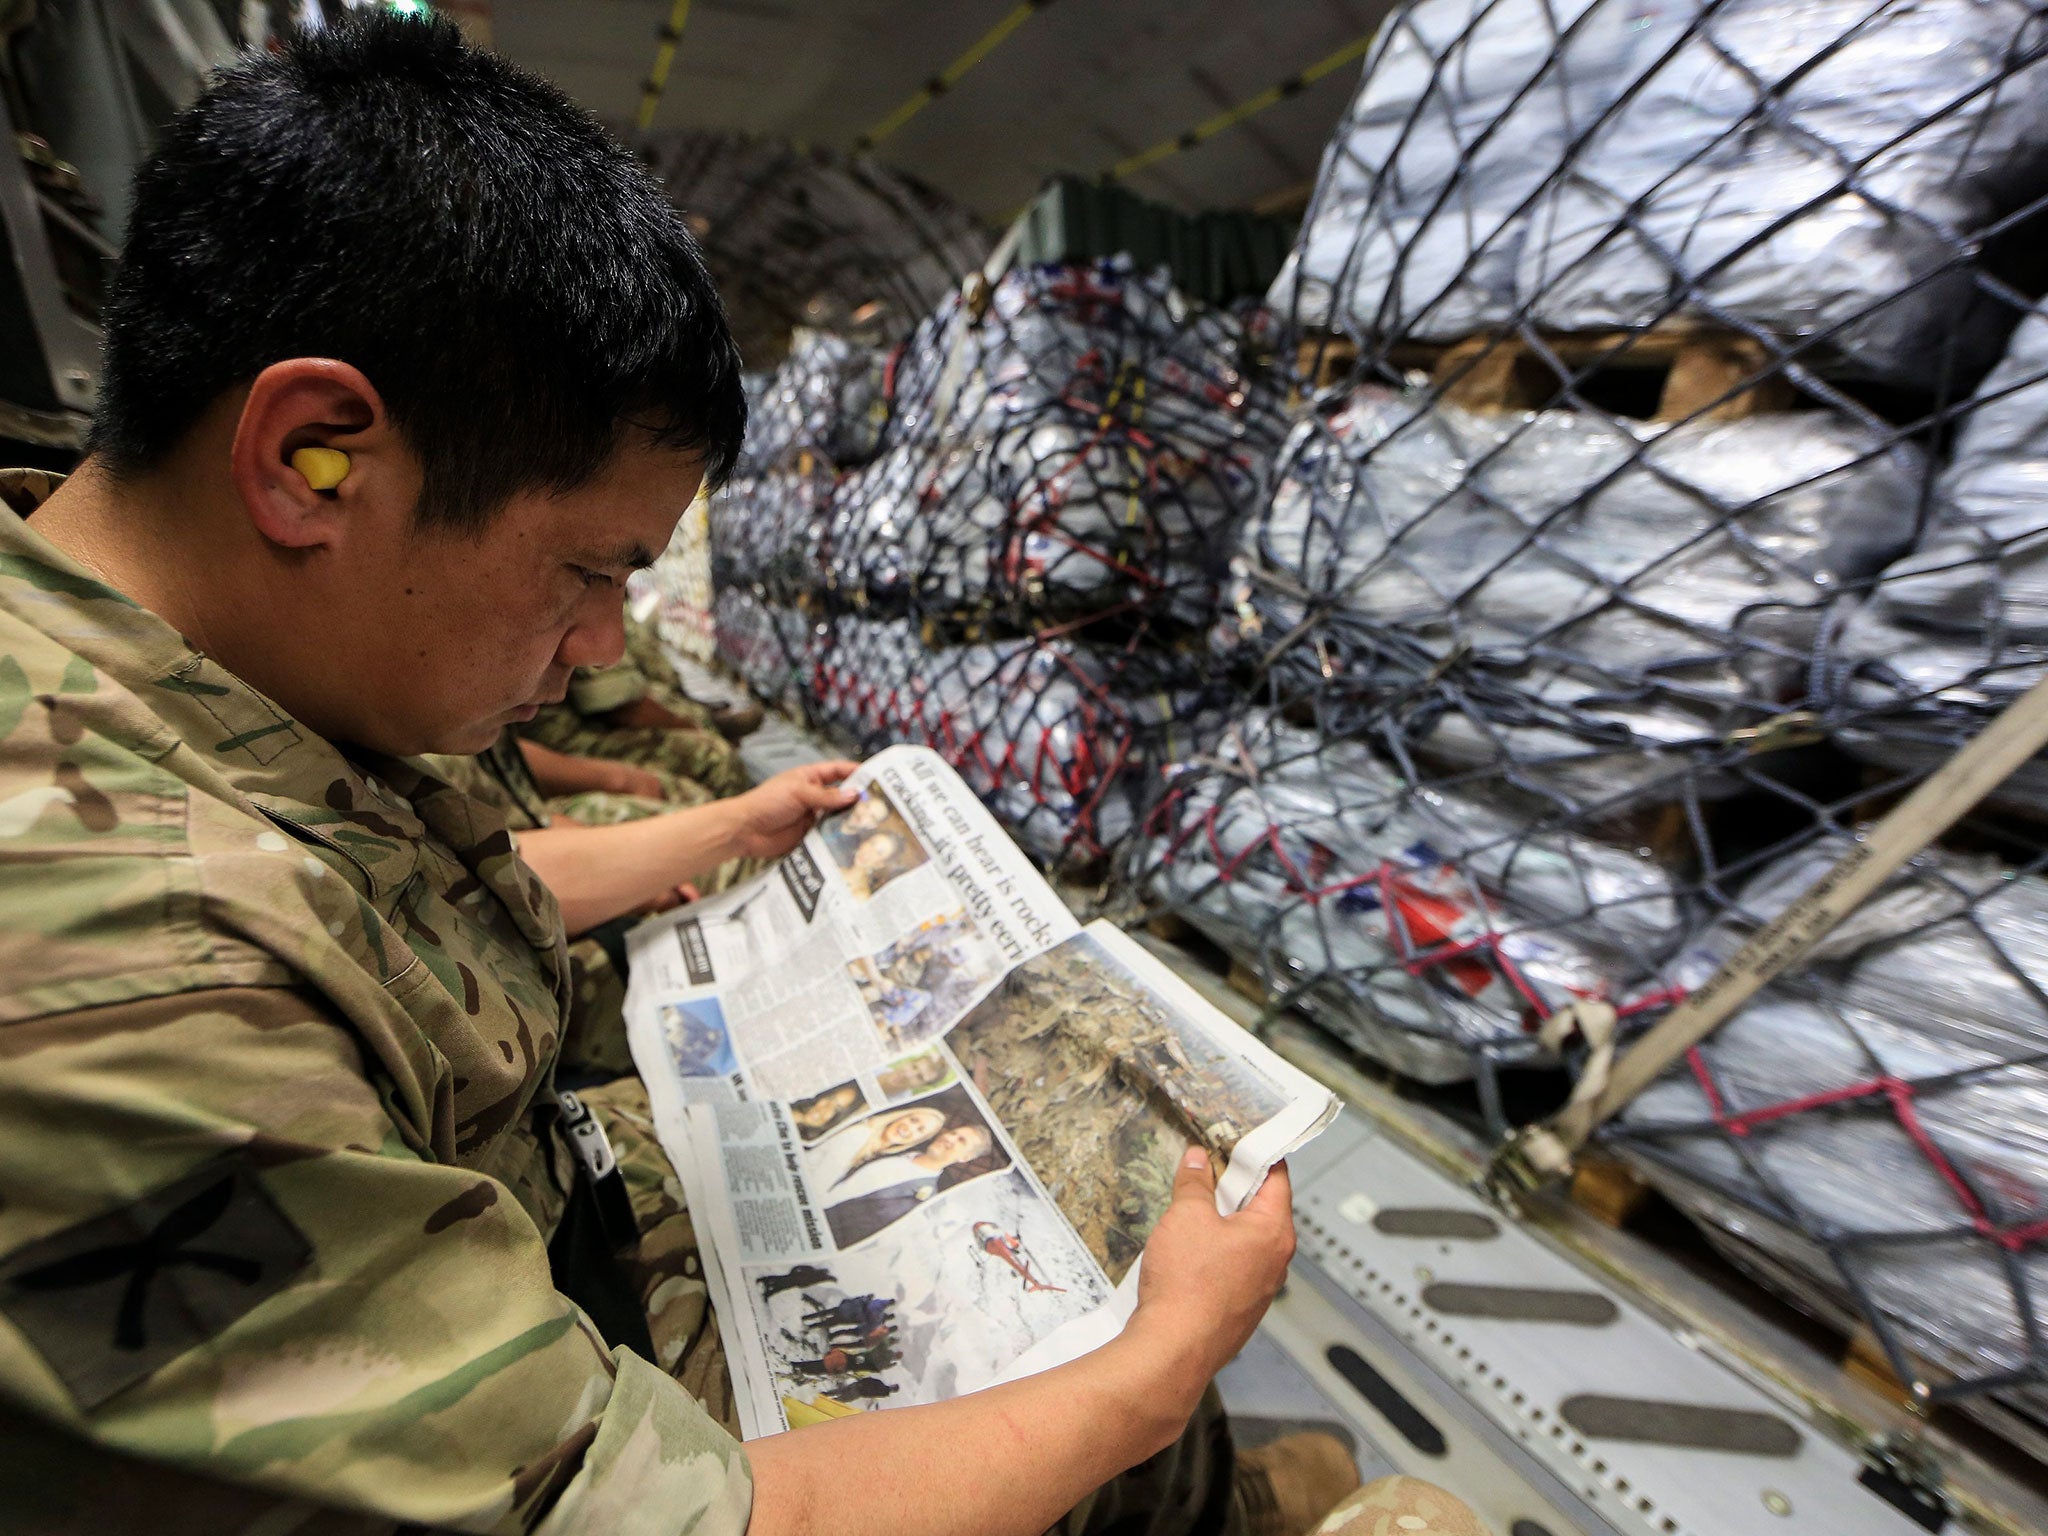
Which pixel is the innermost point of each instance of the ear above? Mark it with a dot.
(317, 402)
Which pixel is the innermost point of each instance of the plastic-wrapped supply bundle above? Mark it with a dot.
(1052, 735)
(1429, 928)
(1872, 1133)
(1817, 168)
(681, 580)
(1084, 443)
(828, 398)
(1570, 574)
(769, 530)
(1466, 110)
(916, 528)
(769, 646)
(1958, 629)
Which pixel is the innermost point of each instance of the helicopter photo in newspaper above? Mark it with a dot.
(960, 1292)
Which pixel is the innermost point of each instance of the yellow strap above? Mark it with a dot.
(950, 76)
(664, 56)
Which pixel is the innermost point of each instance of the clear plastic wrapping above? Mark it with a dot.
(1627, 582)
(1958, 629)
(1466, 111)
(827, 398)
(1086, 444)
(770, 646)
(1430, 928)
(1055, 737)
(769, 529)
(1816, 169)
(1879, 1122)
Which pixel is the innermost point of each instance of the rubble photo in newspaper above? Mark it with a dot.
(1104, 1086)
(925, 1120)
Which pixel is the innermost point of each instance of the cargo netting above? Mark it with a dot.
(1668, 493)
(1005, 538)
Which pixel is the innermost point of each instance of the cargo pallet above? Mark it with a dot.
(1697, 371)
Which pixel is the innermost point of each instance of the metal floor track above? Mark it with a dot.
(1483, 1357)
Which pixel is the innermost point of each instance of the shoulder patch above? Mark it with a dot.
(112, 1299)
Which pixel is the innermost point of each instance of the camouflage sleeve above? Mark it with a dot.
(600, 690)
(222, 1271)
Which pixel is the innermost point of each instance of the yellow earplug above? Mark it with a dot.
(324, 468)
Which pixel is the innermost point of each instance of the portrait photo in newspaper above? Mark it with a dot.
(879, 1169)
(870, 843)
(823, 1113)
(929, 1068)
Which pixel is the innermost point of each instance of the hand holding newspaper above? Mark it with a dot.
(926, 1122)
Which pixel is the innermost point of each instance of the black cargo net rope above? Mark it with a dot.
(1005, 538)
(1671, 495)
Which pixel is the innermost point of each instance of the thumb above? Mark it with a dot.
(1195, 1180)
(1275, 1197)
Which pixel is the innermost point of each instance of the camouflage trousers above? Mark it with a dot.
(700, 755)
(1183, 1491)
(645, 650)
(594, 1045)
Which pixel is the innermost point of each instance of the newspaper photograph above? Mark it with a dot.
(925, 1120)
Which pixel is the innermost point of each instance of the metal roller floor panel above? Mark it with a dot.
(1633, 1428)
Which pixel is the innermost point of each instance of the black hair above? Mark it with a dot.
(515, 284)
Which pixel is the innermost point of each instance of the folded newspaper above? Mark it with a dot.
(925, 1120)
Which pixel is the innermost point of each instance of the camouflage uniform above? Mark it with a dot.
(277, 1160)
(594, 1044)
(698, 754)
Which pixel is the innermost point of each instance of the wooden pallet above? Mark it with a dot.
(1322, 361)
(1709, 373)
(1168, 927)
(1607, 1189)
(1864, 1359)
(1696, 371)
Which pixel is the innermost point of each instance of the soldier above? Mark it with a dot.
(619, 713)
(644, 649)
(562, 776)
(407, 366)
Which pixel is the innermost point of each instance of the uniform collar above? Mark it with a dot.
(290, 774)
